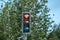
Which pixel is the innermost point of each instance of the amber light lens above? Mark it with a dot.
(26, 23)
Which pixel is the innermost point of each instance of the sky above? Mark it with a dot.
(54, 5)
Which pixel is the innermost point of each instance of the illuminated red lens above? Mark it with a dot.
(26, 16)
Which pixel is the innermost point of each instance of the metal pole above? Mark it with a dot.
(24, 36)
(20, 38)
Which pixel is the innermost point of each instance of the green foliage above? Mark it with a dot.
(12, 19)
(55, 34)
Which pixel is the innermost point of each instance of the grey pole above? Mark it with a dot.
(24, 36)
(20, 38)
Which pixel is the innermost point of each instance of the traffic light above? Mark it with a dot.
(26, 22)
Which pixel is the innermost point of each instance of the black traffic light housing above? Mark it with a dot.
(26, 22)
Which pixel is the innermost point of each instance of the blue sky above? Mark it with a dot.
(54, 5)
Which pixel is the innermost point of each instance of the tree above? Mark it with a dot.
(55, 34)
(12, 18)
